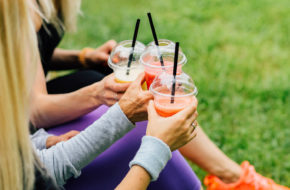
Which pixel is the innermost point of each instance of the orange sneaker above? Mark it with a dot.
(249, 180)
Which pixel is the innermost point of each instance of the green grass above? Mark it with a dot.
(239, 57)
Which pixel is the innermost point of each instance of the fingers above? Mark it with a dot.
(110, 97)
(192, 136)
(108, 46)
(111, 84)
(147, 95)
(189, 110)
(72, 133)
(192, 118)
(139, 80)
(103, 57)
(151, 110)
(193, 126)
(69, 135)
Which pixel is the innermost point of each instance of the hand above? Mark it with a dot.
(109, 91)
(176, 130)
(53, 140)
(134, 102)
(101, 55)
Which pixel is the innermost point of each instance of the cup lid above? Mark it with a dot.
(163, 43)
(164, 81)
(120, 54)
(152, 54)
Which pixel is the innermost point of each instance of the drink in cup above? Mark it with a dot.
(161, 88)
(163, 44)
(119, 58)
(152, 66)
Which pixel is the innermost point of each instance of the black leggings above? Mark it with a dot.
(74, 81)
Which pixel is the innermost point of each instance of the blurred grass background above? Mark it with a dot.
(238, 55)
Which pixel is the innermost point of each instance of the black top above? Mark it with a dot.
(48, 40)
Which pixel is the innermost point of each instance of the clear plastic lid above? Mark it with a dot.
(163, 44)
(120, 54)
(162, 85)
(151, 56)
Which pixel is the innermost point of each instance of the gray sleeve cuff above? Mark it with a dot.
(39, 139)
(152, 155)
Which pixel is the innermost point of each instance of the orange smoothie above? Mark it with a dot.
(165, 108)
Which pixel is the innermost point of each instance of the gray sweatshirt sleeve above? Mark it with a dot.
(66, 159)
(39, 139)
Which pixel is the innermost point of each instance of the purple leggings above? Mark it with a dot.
(110, 167)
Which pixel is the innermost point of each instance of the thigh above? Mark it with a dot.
(74, 81)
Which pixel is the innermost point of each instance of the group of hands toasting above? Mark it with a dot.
(137, 104)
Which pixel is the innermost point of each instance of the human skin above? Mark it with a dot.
(51, 109)
(209, 156)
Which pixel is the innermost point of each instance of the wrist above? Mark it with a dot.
(127, 109)
(93, 92)
(152, 155)
(83, 57)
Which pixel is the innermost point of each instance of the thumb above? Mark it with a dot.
(140, 79)
(189, 109)
(151, 110)
(108, 46)
(102, 57)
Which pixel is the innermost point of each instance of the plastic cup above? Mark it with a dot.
(161, 89)
(118, 61)
(152, 66)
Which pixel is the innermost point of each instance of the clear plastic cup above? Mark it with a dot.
(118, 61)
(152, 66)
(167, 104)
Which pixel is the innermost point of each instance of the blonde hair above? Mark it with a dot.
(17, 46)
(68, 10)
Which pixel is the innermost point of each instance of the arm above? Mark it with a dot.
(65, 59)
(69, 59)
(66, 159)
(42, 140)
(137, 177)
(203, 152)
(48, 110)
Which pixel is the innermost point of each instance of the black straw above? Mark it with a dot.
(174, 72)
(155, 38)
(133, 45)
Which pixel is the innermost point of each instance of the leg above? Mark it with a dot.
(203, 152)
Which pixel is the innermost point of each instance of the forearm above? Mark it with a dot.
(137, 178)
(65, 59)
(203, 152)
(48, 110)
(66, 159)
